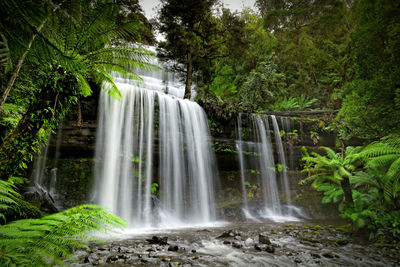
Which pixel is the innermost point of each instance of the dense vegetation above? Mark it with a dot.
(330, 54)
(284, 55)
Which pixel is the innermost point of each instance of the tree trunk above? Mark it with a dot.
(18, 66)
(189, 72)
(79, 120)
(345, 183)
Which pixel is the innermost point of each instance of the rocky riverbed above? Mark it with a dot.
(245, 244)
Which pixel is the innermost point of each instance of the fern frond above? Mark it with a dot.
(363, 178)
(5, 59)
(46, 241)
(8, 197)
(391, 179)
(383, 161)
(330, 152)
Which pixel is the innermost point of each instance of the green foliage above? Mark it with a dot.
(10, 114)
(370, 106)
(8, 197)
(75, 45)
(154, 188)
(223, 84)
(12, 206)
(187, 25)
(384, 156)
(333, 167)
(368, 110)
(49, 240)
(260, 86)
(293, 103)
(284, 104)
(253, 190)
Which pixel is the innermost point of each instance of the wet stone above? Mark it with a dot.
(315, 256)
(270, 249)
(328, 255)
(173, 248)
(226, 234)
(122, 257)
(264, 239)
(158, 240)
(237, 245)
(342, 242)
(249, 242)
(226, 242)
(297, 260)
(112, 258)
(256, 247)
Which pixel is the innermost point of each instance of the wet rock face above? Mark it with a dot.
(264, 239)
(241, 245)
(42, 199)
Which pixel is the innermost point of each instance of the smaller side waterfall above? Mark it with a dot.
(264, 178)
(44, 174)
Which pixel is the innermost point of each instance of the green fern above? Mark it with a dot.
(12, 206)
(385, 156)
(8, 197)
(51, 239)
(48, 240)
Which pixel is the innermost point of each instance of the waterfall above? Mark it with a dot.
(39, 165)
(259, 169)
(288, 127)
(154, 164)
(239, 147)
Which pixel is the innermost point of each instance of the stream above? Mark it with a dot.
(240, 244)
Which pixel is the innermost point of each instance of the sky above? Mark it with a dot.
(149, 5)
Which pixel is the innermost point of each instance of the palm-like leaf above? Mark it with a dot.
(5, 59)
(47, 241)
(8, 197)
(385, 155)
(79, 42)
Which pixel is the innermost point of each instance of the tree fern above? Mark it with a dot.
(49, 240)
(334, 168)
(77, 36)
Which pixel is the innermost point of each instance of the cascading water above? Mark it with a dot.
(262, 164)
(288, 127)
(282, 160)
(171, 189)
(39, 166)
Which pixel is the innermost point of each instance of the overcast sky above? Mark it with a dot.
(149, 5)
